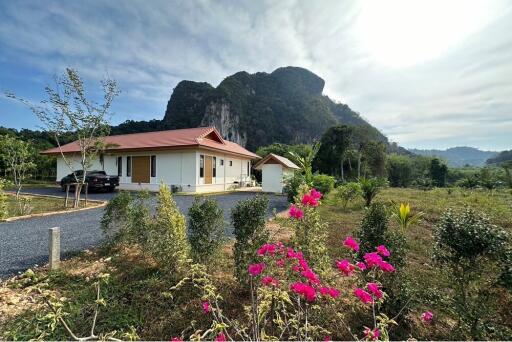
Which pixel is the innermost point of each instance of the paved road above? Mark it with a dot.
(24, 243)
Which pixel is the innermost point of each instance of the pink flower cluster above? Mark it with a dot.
(311, 199)
(366, 296)
(372, 335)
(296, 212)
(308, 284)
(351, 243)
(427, 316)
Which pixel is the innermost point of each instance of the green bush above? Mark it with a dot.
(474, 257)
(400, 170)
(125, 219)
(323, 183)
(373, 227)
(370, 187)
(347, 192)
(167, 233)
(248, 218)
(206, 229)
(293, 184)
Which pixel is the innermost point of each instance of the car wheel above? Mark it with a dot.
(63, 188)
(111, 189)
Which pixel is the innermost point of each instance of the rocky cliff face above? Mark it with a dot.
(258, 109)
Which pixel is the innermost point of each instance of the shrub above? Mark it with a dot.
(206, 229)
(309, 230)
(3, 201)
(373, 227)
(248, 218)
(293, 184)
(347, 192)
(323, 183)
(400, 170)
(474, 256)
(370, 188)
(167, 233)
(126, 218)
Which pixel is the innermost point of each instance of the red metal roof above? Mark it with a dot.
(163, 140)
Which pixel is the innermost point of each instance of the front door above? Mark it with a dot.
(140, 169)
(208, 169)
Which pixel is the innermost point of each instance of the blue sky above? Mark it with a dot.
(429, 74)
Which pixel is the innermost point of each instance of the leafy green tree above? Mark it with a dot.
(374, 159)
(331, 156)
(293, 184)
(438, 171)
(347, 192)
(400, 170)
(248, 218)
(323, 183)
(68, 109)
(18, 156)
(206, 229)
(3, 201)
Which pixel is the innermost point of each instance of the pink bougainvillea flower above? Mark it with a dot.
(427, 316)
(220, 338)
(296, 212)
(267, 248)
(351, 243)
(310, 275)
(361, 265)
(315, 194)
(329, 291)
(269, 281)
(364, 296)
(372, 335)
(345, 267)
(374, 288)
(386, 266)
(280, 262)
(309, 200)
(372, 259)
(256, 269)
(177, 339)
(206, 307)
(305, 290)
(327, 339)
(382, 250)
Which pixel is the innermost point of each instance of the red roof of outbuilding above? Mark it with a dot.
(207, 137)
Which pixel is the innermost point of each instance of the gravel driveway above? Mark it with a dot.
(24, 243)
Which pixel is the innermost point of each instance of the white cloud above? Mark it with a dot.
(439, 80)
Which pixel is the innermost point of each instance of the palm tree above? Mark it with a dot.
(306, 161)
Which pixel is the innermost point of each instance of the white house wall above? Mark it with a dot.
(272, 178)
(173, 168)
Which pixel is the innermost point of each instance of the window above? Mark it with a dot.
(248, 168)
(222, 162)
(153, 166)
(214, 172)
(128, 166)
(119, 166)
(201, 166)
(230, 163)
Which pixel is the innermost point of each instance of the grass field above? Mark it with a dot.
(31, 205)
(138, 297)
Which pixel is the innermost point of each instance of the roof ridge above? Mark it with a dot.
(165, 130)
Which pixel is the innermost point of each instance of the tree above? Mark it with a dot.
(306, 161)
(438, 171)
(374, 154)
(400, 170)
(331, 155)
(370, 187)
(68, 109)
(18, 156)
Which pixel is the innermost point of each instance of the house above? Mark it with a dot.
(274, 170)
(193, 160)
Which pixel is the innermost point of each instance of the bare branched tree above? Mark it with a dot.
(68, 109)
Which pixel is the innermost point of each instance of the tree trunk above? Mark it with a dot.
(341, 168)
(78, 189)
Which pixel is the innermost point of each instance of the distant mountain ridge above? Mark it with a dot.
(459, 156)
(285, 106)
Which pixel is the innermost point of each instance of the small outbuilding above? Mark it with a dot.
(274, 170)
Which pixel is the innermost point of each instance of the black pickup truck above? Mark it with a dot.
(97, 180)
